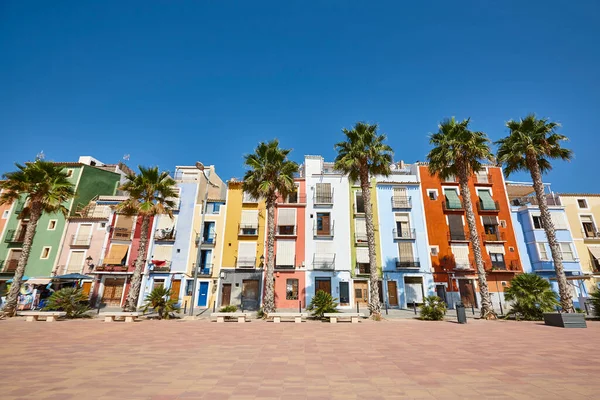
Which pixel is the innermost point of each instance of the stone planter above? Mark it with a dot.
(565, 320)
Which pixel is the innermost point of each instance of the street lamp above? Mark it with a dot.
(262, 260)
(89, 263)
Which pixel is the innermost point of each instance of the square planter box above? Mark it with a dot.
(565, 320)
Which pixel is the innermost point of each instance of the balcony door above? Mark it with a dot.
(323, 224)
(323, 284)
(75, 263)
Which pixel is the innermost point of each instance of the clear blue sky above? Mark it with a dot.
(175, 82)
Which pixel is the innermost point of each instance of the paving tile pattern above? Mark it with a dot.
(259, 360)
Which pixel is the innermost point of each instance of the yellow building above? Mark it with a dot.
(583, 213)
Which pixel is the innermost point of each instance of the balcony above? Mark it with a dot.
(402, 263)
(482, 208)
(293, 198)
(458, 237)
(285, 266)
(323, 199)
(361, 239)
(551, 200)
(9, 265)
(204, 269)
(160, 266)
(74, 269)
(210, 239)
(404, 234)
(248, 229)
(15, 236)
(463, 266)
(324, 262)
(483, 179)
(494, 237)
(285, 230)
(121, 233)
(513, 266)
(452, 206)
(401, 202)
(246, 262)
(164, 235)
(362, 269)
(80, 241)
(112, 268)
(325, 231)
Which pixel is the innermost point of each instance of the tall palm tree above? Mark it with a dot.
(530, 146)
(270, 175)
(362, 155)
(46, 188)
(459, 152)
(151, 193)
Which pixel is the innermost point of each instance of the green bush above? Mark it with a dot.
(260, 313)
(595, 301)
(70, 300)
(230, 308)
(160, 301)
(322, 303)
(531, 296)
(433, 309)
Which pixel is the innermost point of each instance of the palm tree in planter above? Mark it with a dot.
(530, 146)
(270, 175)
(151, 193)
(460, 152)
(46, 189)
(364, 154)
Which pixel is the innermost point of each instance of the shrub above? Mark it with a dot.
(229, 308)
(322, 303)
(595, 301)
(260, 313)
(160, 301)
(433, 309)
(532, 296)
(70, 300)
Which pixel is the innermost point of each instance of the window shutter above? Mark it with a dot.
(84, 231)
(558, 219)
(360, 224)
(76, 259)
(286, 252)
(456, 225)
(247, 250)
(162, 253)
(250, 217)
(489, 220)
(164, 222)
(567, 251)
(486, 200)
(124, 222)
(400, 194)
(405, 250)
(461, 253)
(542, 251)
(324, 248)
(362, 255)
(452, 198)
(495, 248)
(286, 217)
(482, 176)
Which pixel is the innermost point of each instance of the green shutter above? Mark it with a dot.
(452, 199)
(487, 203)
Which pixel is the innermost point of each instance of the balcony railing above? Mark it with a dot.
(361, 238)
(463, 266)
(121, 233)
(293, 198)
(324, 232)
(402, 263)
(80, 241)
(362, 269)
(248, 199)
(204, 269)
(483, 179)
(551, 200)
(401, 202)
(458, 236)
(285, 266)
(483, 208)
(73, 269)
(502, 266)
(164, 266)
(286, 230)
(210, 239)
(323, 198)
(9, 265)
(404, 234)
(248, 229)
(245, 262)
(452, 206)
(494, 237)
(324, 261)
(164, 235)
(15, 236)
(112, 268)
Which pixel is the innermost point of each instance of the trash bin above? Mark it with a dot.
(461, 314)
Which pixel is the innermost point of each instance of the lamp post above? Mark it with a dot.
(262, 260)
(201, 167)
(89, 263)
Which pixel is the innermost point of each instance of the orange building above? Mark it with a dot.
(452, 257)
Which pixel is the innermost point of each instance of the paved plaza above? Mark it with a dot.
(392, 359)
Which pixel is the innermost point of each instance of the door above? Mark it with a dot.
(392, 293)
(86, 288)
(250, 294)
(440, 290)
(175, 287)
(113, 291)
(413, 286)
(361, 292)
(344, 293)
(226, 294)
(323, 284)
(323, 224)
(203, 294)
(467, 293)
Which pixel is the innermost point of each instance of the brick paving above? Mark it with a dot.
(259, 360)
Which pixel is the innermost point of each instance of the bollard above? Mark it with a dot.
(473, 309)
(185, 307)
(357, 309)
(501, 311)
(585, 306)
(386, 308)
(299, 306)
(415, 307)
(242, 306)
(214, 305)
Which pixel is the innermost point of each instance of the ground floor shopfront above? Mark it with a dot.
(110, 289)
(337, 283)
(406, 289)
(242, 288)
(290, 289)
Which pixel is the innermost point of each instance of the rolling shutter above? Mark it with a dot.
(452, 198)
(286, 252)
(250, 218)
(400, 194)
(85, 231)
(405, 251)
(76, 259)
(360, 224)
(165, 222)
(362, 255)
(286, 217)
(482, 176)
(457, 229)
(461, 253)
(247, 250)
(495, 248)
(162, 253)
(559, 221)
(124, 222)
(324, 248)
(490, 220)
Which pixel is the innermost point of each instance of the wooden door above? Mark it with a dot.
(250, 294)
(323, 224)
(226, 294)
(175, 287)
(86, 288)
(113, 291)
(361, 292)
(392, 293)
(323, 284)
(467, 293)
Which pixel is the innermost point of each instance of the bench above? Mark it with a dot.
(241, 316)
(112, 316)
(333, 317)
(278, 315)
(35, 315)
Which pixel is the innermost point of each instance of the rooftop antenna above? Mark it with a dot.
(40, 155)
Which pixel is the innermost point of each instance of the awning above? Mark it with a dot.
(452, 198)
(39, 281)
(486, 200)
(23, 279)
(117, 254)
(72, 277)
(595, 252)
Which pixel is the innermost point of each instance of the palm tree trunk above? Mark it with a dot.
(269, 300)
(566, 301)
(11, 299)
(136, 279)
(487, 310)
(374, 305)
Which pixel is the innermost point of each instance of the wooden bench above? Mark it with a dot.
(35, 315)
(333, 317)
(277, 316)
(241, 316)
(112, 316)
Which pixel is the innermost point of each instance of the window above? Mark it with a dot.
(360, 230)
(5, 214)
(452, 199)
(542, 251)
(503, 223)
(248, 198)
(589, 228)
(567, 251)
(400, 198)
(292, 197)
(432, 194)
(323, 224)
(214, 208)
(537, 222)
(359, 202)
(158, 283)
(582, 203)
(249, 223)
(102, 225)
(291, 289)
(402, 226)
(457, 229)
(486, 202)
(286, 221)
(209, 232)
(286, 254)
(45, 253)
(69, 173)
(434, 250)
(558, 220)
(188, 287)
(323, 193)
(52, 225)
(497, 261)
(490, 228)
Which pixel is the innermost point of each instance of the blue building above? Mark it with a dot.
(533, 244)
(406, 268)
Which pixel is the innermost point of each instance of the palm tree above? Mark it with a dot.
(459, 152)
(270, 175)
(46, 188)
(531, 296)
(151, 193)
(530, 146)
(361, 155)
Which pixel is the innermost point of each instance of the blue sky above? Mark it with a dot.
(175, 82)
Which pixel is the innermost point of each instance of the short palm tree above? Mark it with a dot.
(531, 296)
(530, 146)
(159, 300)
(151, 193)
(460, 152)
(46, 189)
(362, 155)
(270, 175)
